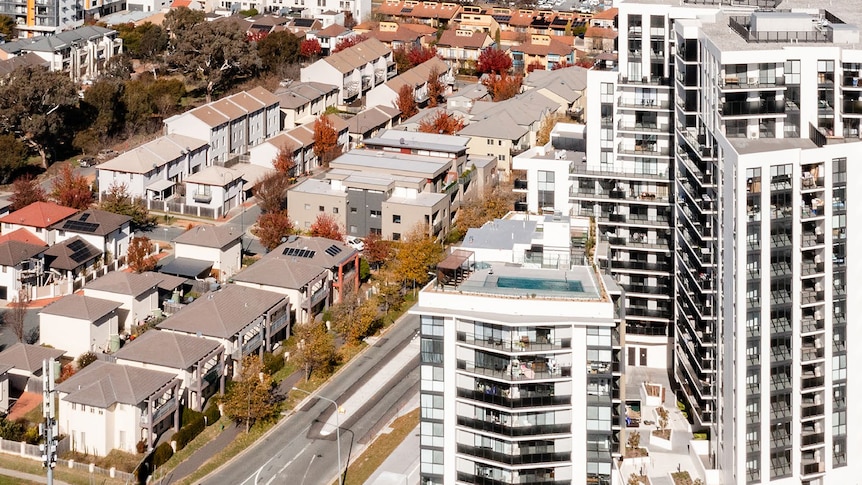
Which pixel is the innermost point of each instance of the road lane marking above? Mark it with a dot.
(274, 456)
(289, 463)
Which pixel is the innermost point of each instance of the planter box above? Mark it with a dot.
(637, 462)
(648, 400)
(661, 443)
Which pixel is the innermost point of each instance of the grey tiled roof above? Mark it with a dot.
(13, 252)
(124, 283)
(209, 236)
(80, 307)
(28, 357)
(222, 313)
(168, 349)
(103, 384)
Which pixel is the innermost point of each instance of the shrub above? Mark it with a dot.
(86, 359)
(272, 363)
(12, 430)
(141, 446)
(212, 413)
(162, 454)
(188, 432)
(189, 416)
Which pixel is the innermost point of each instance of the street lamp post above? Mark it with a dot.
(337, 430)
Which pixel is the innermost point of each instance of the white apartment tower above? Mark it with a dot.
(521, 374)
(729, 133)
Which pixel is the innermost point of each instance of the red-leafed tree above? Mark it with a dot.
(139, 255)
(435, 88)
(583, 62)
(418, 55)
(325, 141)
(502, 87)
(25, 191)
(72, 190)
(406, 101)
(309, 48)
(348, 42)
(376, 250)
(256, 36)
(271, 227)
(493, 60)
(284, 161)
(442, 123)
(536, 66)
(560, 65)
(326, 226)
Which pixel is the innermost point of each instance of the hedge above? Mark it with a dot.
(189, 416)
(188, 432)
(272, 363)
(212, 413)
(162, 454)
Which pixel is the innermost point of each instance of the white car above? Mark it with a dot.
(355, 243)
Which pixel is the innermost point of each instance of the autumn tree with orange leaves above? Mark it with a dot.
(309, 48)
(442, 123)
(348, 42)
(271, 227)
(72, 190)
(325, 141)
(435, 88)
(284, 162)
(503, 86)
(326, 226)
(406, 101)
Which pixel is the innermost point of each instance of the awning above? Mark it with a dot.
(160, 185)
(187, 267)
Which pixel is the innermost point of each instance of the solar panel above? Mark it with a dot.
(80, 226)
(76, 245)
(82, 255)
(84, 216)
(333, 250)
(298, 252)
(406, 9)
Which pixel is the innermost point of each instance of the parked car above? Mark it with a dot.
(86, 162)
(355, 243)
(107, 154)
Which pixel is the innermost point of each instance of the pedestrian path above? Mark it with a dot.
(402, 466)
(27, 476)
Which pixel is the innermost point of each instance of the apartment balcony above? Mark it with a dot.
(812, 240)
(813, 411)
(659, 220)
(780, 354)
(780, 440)
(520, 185)
(810, 467)
(761, 107)
(812, 268)
(812, 351)
(812, 297)
(643, 127)
(503, 426)
(643, 103)
(812, 325)
(781, 268)
(812, 382)
(779, 383)
(528, 455)
(644, 150)
(812, 438)
(166, 407)
(780, 297)
(812, 184)
(515, 345)
(203, 198)
(780, 240)
(780, 325)
(636, 265)
(736, 83)
(812, 212)
(519, 370)
(531, 479)
(506, 397)
(780, 412)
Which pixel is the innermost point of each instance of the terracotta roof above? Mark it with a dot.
(93, 221)
(608, 14)
(476, 40)
(167, 349)
(22, 235)
(540, 49)
(103, 384)
(223, 313)
(333, 30)
(422, 10)
(71, 254)
(123, 283)
(80, 307)
(28, 357)
(209, 236)
(39, 214)
(601, 32)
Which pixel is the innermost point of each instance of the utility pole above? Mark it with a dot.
(49, 431)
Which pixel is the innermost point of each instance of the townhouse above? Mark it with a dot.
(302, 102)
(460, 48)
(37, 218)
(231, 125)
(329, 37)
(368, 123)
(355, 70)
(81, 52)
(300, 141)
(541, 51)
(417, 78)
(435, 14)
(80, 324)
(18, 264)
(395, 35)
(136, 293)
(108, 232)
(221, 246)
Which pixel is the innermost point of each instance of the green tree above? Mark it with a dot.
(87, 141)
(7, 27)
(390, 290)
(72, 190)
(251, 397)
(25, 191)
(147, 101)
(353, 320)
(103, 105)
(417, 253)
(145, 41)
(216, 53)
(118, 68)
(180, 20)
(38, 107)
(13, 157)
(315, 349)
(277, 49)
(118, 201)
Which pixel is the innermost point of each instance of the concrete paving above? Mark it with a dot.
(402, 466)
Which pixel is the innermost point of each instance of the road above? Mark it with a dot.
(302, 449)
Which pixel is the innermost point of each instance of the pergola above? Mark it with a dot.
(455, 267)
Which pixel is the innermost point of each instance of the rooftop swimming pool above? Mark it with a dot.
(573, 286)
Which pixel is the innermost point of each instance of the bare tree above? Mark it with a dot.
(14, 316)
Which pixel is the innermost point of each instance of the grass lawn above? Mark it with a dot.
(15, 481)
(370, 460)
(74, 477)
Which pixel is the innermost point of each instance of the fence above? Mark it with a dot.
(94, 470)
(31, 451)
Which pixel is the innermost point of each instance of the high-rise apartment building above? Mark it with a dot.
(46, 17)
(745, 118)
(521, 375)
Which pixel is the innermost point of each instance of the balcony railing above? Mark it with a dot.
(515, 344)
(487, 480)
(203, 197)
(519, 371)
(500, 397)
(500, 426)
(528, 455)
